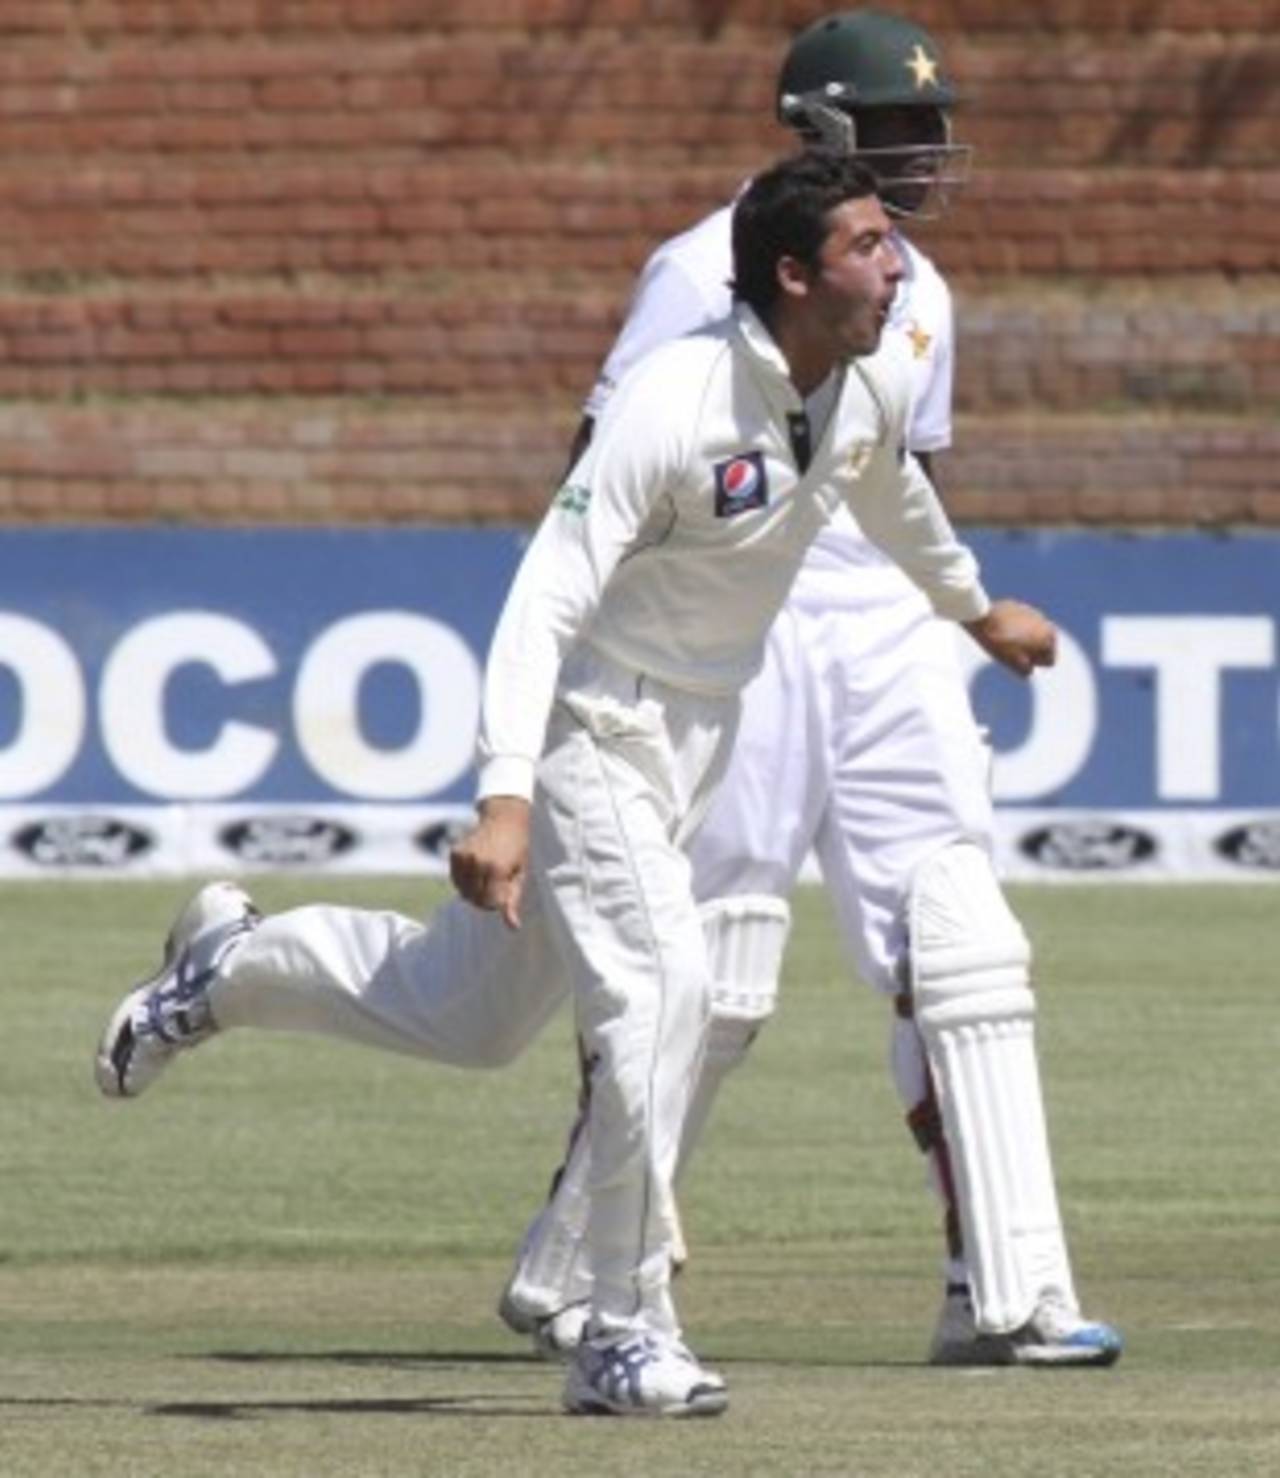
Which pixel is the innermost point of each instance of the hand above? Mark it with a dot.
(1016, 635)
(490, 863)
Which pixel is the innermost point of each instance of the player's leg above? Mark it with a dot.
(745, 857)
(976, 1013)
(911, 789)
(547, 1294)
(619, 777)
(462, 989)
(745, 938)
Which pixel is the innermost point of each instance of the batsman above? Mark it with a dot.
(858, 743)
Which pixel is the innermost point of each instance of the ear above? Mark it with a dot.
(794, 277)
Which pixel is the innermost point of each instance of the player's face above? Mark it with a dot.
(856, 276)
(906, 149)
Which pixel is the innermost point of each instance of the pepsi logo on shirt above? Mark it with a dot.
(741, 484)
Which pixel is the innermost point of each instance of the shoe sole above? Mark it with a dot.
(1079, 1359)
(699, 1403)
(106, 1074)
(1044, 1357)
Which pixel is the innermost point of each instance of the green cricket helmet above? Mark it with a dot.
(872, 84)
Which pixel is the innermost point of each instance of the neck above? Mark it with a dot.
(808, 362)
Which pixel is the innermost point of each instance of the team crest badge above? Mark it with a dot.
(741, 483)
(860, 453)
(920, 340)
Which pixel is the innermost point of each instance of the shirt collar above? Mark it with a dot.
(761, 345)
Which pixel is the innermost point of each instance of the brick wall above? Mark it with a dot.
(357, 259)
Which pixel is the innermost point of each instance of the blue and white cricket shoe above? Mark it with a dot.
(1056, 1334)
(170, 1009)
(641, 1375)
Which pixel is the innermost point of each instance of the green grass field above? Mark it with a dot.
(285, 1259)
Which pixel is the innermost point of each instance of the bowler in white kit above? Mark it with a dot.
(611, 700)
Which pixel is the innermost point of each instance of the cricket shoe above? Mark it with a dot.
(1055, 1334)
(554, 1336)
(170, 1010)
(641, 1375)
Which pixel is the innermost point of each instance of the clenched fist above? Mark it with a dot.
(490, 863)
(1016, 635)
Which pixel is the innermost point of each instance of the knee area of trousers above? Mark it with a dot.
(969, 956)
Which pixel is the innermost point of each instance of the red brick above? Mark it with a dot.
(300, 94)
(298, 203)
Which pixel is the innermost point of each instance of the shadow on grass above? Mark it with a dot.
(487, 1406)
(480, 1406)
(383, 1359)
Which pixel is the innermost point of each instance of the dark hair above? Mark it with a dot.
(783, 213)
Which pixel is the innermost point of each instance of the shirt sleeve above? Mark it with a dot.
(898, 510)
(593, 520)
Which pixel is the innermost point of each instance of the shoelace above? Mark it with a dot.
(618, 1367)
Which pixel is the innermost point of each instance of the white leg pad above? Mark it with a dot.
(976, 1014)
(745, 937)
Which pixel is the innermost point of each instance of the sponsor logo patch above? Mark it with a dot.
(287, 841)
(82, 841)
(741, 483)
(1088, 846)
(1255, 844)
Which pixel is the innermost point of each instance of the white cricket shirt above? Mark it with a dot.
(679, 533)
(684, 286)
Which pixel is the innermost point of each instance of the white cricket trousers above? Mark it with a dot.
(609, 914)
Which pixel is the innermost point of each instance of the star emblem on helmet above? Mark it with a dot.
(922, 66)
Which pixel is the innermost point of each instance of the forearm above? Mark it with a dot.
(547, 605)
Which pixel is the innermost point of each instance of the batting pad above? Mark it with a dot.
(745, 937)
(976, 1014)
